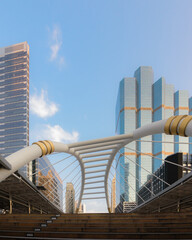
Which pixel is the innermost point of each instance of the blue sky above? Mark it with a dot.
(80, 50)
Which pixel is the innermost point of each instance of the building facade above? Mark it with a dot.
(113, 195)
(14, 99)
(44, 175)
(126, 110)
(144, 80)
(167, 172)
(133, 110)
(140, 102)
(70, 198)
(125, 207)
(163, 108)
(82, 207)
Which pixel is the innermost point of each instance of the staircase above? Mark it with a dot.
(97, 226)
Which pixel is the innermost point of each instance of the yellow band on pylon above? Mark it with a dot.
(175, 124)
(183, 126)
(167, 125)
(52, 146)
(46, 146)
(43, 148)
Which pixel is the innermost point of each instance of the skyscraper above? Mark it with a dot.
(70, 198)
(133, 110)
(82, 207)
(126, 111)
(140, 102)
(144, 80)
(113, 195)
(14, 98)
(163, 108)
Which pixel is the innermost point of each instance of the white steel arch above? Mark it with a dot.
(94, 151)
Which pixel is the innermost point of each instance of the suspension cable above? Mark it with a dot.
(50, 165)
(66, 176)
(138, 180)
(130, 186)
(121, 187)
(61, 171)
(146, 170)
(124, 190)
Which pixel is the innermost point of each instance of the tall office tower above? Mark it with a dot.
(82, 207)
(113, 195)
(125, 123)
(70, 198)
(163, 108)
(144, 77)
(190, 113)
(154, 102)
(181, 99)
(14, 98)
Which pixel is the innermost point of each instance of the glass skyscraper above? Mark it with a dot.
(140, 102)
(126, 111)
(144, 80)
(163, 108)
(44, 174)
(14, 98)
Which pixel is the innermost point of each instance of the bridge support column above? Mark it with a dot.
(10, 204)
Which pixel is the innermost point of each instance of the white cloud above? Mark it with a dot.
(55, 46)
(58, 134)
(41, 106)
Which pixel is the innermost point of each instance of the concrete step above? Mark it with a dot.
(97, 235)
(135, 230)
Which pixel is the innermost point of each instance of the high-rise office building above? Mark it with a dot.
(14, 98)
(126, 111)
(140, 102)
(82, 207)
(163, 108)
(113, 194)
(144, 80)
(133, 110)
(70, 198)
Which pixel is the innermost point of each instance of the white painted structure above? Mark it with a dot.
(94, 151)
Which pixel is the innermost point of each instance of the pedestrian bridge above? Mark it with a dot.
(95, 157)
